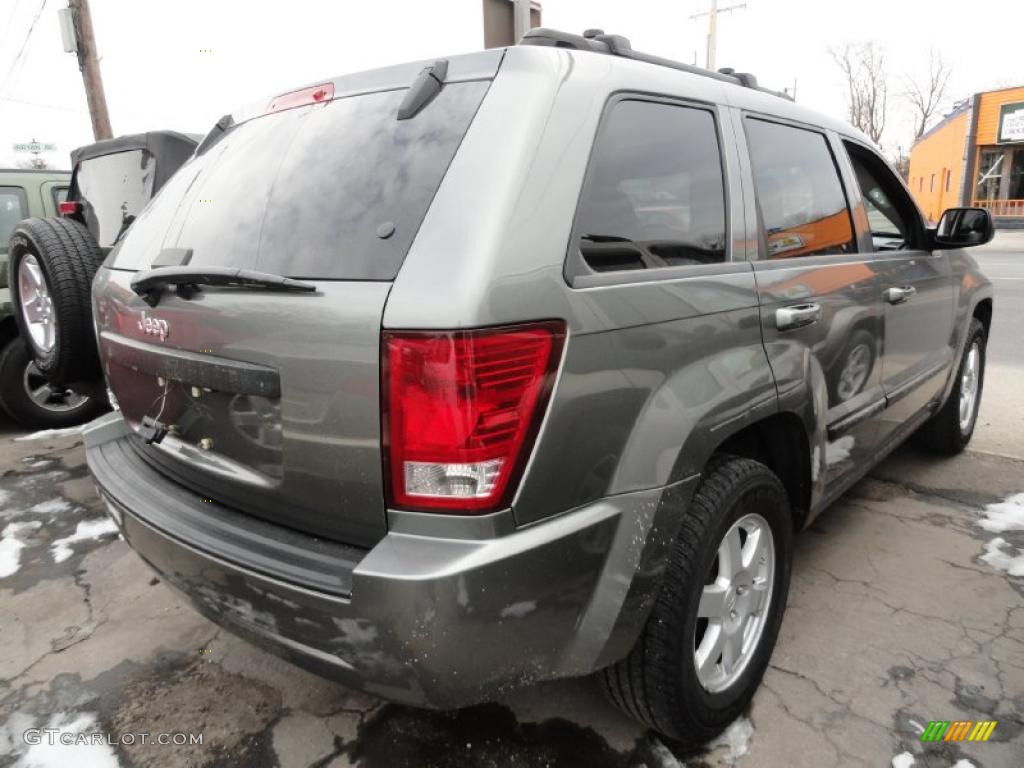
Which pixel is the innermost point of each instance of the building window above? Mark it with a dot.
(931, 184)
(990, 174)
(948, 174)
(920, 183)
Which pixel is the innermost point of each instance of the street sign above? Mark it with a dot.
(35, 147)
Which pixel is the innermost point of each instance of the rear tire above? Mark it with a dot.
(30, 401)
(658, 683)
(68, 256)
(949, 431)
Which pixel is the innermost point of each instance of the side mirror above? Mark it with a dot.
(963, 227)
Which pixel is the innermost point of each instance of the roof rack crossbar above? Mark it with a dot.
(597, 41)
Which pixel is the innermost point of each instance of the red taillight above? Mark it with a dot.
(315, 94)
(462, 409)
(68, 208)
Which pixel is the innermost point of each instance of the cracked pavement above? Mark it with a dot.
(893, 620)
(901, 611)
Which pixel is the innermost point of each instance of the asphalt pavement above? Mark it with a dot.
(906, 607)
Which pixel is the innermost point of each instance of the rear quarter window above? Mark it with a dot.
(13, 208)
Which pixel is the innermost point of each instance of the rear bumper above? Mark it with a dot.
(437, 622)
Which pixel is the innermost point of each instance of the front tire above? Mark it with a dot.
(708, 639)
(950, 430)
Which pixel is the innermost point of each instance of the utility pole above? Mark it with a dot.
(89, 66)
(712, 14)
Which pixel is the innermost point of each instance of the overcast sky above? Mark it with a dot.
(157, 74)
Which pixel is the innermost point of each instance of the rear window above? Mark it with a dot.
(334, 191)
(13, 208)
(113, 190)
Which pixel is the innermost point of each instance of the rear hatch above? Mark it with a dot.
(273, 398)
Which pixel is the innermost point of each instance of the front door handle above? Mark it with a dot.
(900, 295)
(797, 316)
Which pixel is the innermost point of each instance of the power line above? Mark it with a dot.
(43, 106)
(24, 45)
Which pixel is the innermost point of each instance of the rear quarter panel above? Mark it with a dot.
(655, 374)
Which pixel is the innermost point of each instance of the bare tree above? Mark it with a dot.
(867, 95)
(925, 96)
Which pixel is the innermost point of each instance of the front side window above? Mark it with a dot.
(655, 193)
(801, 199)
(891, 212)
(13, 209)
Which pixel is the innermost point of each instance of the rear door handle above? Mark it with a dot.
(797, 316)
(900, 295)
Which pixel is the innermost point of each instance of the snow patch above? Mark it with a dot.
(963, 762)
(903, 760)
(1005, 516)
(51, 506)
(11, 544)
(736, 737)
(1012, 562)
(87, 529)
(79, 751)
(838, 450)
(662, 757)
(47, 433)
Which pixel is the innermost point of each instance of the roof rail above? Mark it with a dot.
(597, 41)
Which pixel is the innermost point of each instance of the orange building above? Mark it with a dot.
(974, 156)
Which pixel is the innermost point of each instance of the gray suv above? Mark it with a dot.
(523, 364)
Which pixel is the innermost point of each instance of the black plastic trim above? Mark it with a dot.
(217, 373)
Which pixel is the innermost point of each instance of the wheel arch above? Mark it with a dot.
(781, 443)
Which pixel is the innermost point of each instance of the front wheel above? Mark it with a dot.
(950, 430)
(709, 637)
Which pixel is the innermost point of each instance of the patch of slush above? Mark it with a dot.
(662, 757)
(1005, 516)
(86, 746)
(12, 541)
(1011, 561)
(51, 506)
(736, 737)
(87, 529)
(838, 450)
(47, 433)
(903, 760)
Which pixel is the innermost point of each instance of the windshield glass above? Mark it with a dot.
(333, 191)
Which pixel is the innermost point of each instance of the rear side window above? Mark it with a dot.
(60, 195)
(113, 190)
(333, 191)
(801, 199)
(13, 208)
(655, 194)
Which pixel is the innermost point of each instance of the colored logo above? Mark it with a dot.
(958, 730)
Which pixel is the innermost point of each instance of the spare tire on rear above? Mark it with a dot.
(51, 263)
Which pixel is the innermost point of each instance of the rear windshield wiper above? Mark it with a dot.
(150, 285)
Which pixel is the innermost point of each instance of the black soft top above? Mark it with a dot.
(170, 149)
